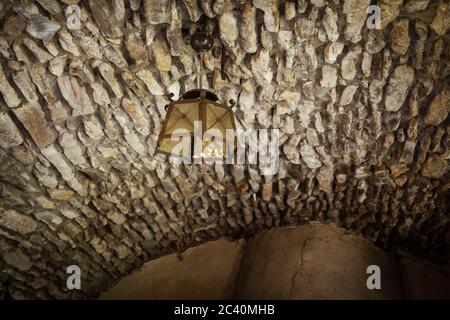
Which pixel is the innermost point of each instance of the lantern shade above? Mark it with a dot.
(196, 126)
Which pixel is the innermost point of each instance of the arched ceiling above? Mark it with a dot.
(362, 114)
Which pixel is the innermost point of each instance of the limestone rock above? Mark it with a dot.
(375, 42)
(356, 15)
(42, 55)
(435, 167)
(398, 87)
(152, 85)
(33, 119)
(207, 7)
(312, 137)
(136, 48)
(261, 68)
(56, 65)
(347, 95)
(4, 46)
(325, 177)
(113, 54)
(61, 195)
(69, 214)
(271, 13)
(23, 82)
(135, 143)
(329, 77)
(109, 16)
(51, 6)
(14, 25)
(17, 259)
(9, 134)
(72, 149)
(247, 29)
(67, 43)
(228, 28)
(19, 223)
(161, 52)
(157, 11)
(348, 64)
(134, 110)
(89, 46)
(75, 95)
(108, 74)
(400, 36)
(310, 157)
(174, 34)
(51, 47)
(45, 203)
(52, 154)
(439, 108)
(389, 10)
(49, 218)
(329, 22)
(412, 6)
(193, 9)
(332, 50)
(441, 22)
(93, 128)
(41, 27)
(99, 94)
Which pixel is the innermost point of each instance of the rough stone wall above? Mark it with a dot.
(362, 114)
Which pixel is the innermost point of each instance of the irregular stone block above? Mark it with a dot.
(332, 51)
(23, 82)
(347, 95)
(17, 259)
(67, 43)
(41, 27)
(49, 218)
(310, 157)
(434, 167)
(271, 13)
(152, 85)
(72, 149)
(33, 119)
(441, 22)
(42, 55)
(329, 77)
(329, 22)
(400, 36)
(157, 11)
(228, 28)
(9, 134)
(247, 29)
(356, 15)
(75, 95)
(398, 87)
(109, 16)
(108, 74)
(17, 222)
(161, 52)
(439, 108)
(10, 96)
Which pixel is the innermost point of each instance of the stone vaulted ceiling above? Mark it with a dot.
(365, 139)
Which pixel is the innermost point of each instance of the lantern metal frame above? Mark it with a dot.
(204, 98)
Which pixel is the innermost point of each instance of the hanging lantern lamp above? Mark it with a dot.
(198, 126)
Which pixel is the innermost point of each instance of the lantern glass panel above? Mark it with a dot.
(195, 120)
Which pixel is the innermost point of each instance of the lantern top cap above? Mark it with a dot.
(200, 93)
